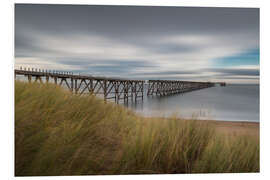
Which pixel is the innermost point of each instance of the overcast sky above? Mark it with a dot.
(198, 44)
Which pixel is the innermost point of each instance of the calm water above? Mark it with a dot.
(230, 103)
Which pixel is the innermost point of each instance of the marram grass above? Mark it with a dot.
(58, 133)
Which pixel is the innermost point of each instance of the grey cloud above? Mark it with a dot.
(30, 44)
(236, 77)
(239, 72)
(160, 73)
(134, 20)
(182, 78)
(107, 66)
(106, 62)
(134, 24)
(166, 48)
(239, 79)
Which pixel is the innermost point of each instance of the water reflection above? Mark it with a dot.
(233, 103)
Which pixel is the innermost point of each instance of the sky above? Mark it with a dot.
(140, 42)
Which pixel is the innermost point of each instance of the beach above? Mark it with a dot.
(237, 128)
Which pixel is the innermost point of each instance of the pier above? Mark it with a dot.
(110, 88)
(117, 89)
(167, 87)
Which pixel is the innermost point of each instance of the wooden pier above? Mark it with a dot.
(111, 88)
(117, 89)
(167, 87)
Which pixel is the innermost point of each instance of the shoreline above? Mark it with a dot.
(237, 127)
(187, 117)
(233, 127)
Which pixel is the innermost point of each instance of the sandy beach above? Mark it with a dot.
(237, 128)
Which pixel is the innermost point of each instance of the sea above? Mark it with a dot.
(233, 102)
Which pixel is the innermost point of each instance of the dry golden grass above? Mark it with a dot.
(58, 133)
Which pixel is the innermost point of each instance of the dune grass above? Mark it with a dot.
(58, 133)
